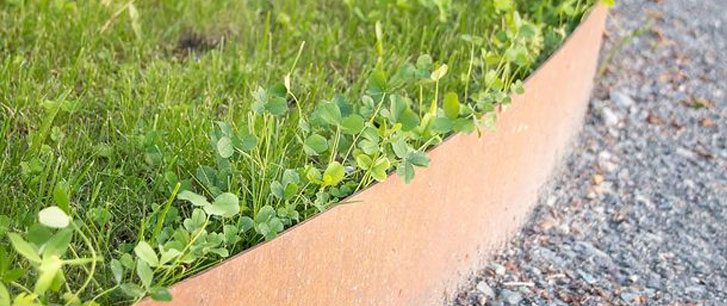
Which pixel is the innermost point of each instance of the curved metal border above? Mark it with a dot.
(399, 244)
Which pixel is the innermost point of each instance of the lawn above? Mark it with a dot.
(177, 133)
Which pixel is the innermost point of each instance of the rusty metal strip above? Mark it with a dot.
(402, 244)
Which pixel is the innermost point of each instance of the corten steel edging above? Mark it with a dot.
(399, 244)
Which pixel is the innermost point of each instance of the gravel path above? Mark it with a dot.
(639, 215)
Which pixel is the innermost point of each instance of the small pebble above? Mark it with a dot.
(609, 117)
(510, 297)
(499, 269)
(587, 277)
(688, 154)
(622, 99)
(486, 289)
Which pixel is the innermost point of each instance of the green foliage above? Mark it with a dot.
(451, 105)
(315, 144)
(136, 154)
(53, 217)
(333, 175)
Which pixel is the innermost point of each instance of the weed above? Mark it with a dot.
(125, 170)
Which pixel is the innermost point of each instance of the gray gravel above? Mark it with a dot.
(639, 215)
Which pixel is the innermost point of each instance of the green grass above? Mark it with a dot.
(124, 113)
